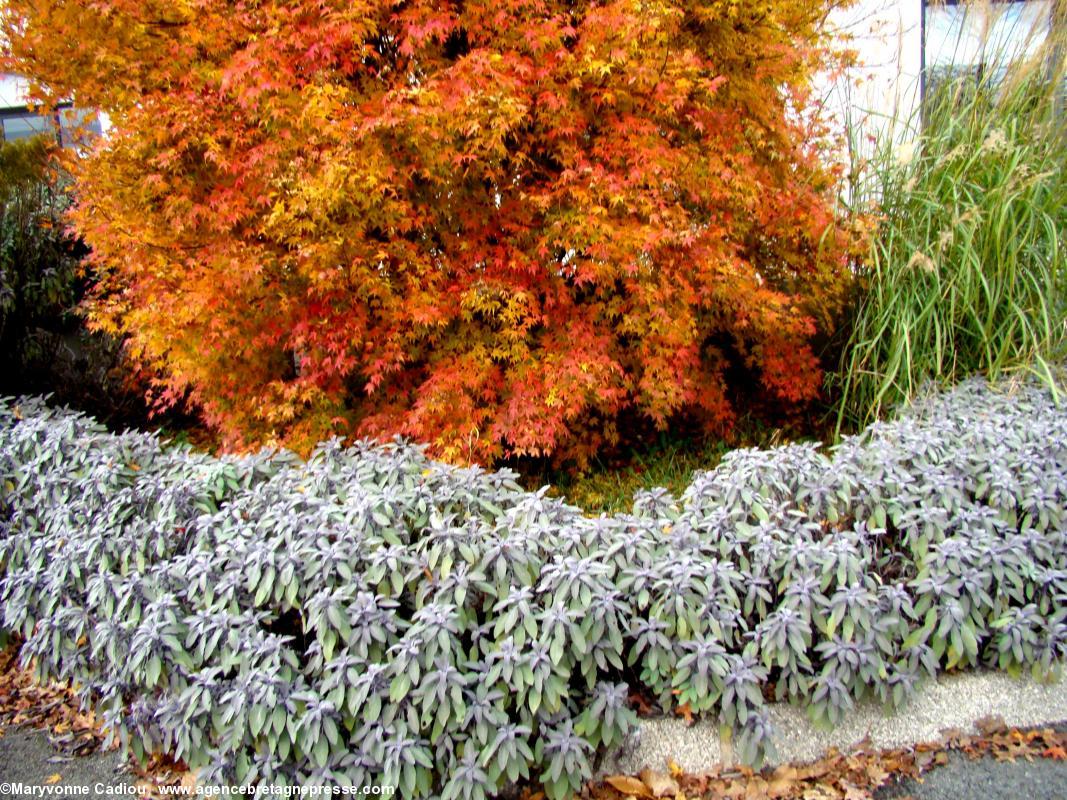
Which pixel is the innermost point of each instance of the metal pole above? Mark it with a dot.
(922, 63)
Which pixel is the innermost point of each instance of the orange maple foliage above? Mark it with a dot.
(490, 226)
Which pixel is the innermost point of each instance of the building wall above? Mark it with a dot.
(887, 38)
(12, 91)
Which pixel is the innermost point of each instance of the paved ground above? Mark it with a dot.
(27, 757)
(986, 779)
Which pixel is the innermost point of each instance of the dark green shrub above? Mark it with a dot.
(44, 346)
(37, 265)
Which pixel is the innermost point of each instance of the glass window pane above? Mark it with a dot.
(972, 33)
(23, 126)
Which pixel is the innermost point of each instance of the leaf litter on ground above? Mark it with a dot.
(854, 775)
(54, 708)
(72, 732)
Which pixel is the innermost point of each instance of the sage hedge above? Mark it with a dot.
(370, 616)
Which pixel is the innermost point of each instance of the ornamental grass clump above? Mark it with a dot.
(370, 616)
(967, 267)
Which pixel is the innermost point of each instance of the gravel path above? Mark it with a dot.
(953, 701)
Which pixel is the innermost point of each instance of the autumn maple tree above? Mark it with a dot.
(490, 226)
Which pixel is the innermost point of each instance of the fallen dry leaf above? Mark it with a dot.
(642, 704)
(659, 783)
(782, 782)
(990, 725)
(629, 785)
(821, 792)
(686, 713)
(876, 774)
(54, 778)
(755, 789)
(188, 780)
